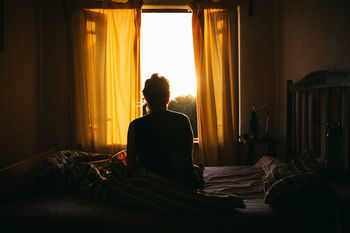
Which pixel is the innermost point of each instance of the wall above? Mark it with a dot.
(32, 74)
(257, 60)
(54, 72)
(19, 94)
(312, 35)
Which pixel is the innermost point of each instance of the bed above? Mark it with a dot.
(69, 212)
(73, 213)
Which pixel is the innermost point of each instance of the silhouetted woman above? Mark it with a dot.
(162, 140)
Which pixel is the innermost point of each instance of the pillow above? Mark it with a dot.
(308, 161)
(268, 163)
(300, 183)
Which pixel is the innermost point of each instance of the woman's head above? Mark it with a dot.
(156, 91)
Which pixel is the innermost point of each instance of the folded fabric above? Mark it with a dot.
(295, 184)
(62, 172)
(147, 190)
(76, 172)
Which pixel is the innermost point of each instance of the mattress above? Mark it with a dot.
(74, 213)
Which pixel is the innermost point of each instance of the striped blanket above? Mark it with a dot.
(105, 178)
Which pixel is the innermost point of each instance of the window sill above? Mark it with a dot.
(195, 151)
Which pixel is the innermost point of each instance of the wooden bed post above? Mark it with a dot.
(289, 119)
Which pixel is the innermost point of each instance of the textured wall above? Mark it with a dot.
(311, 35)
(33, 76)
(19, 94)
(257, 59)
(54, 56)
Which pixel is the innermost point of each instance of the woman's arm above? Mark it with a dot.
(131, 158)
(189, 176)
(189, 142)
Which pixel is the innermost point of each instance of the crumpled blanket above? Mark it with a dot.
(104, 177)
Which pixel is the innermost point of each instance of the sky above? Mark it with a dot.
(167, 49)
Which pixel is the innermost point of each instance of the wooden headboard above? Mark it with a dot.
(318, 117)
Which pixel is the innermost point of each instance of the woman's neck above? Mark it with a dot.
(158, 109)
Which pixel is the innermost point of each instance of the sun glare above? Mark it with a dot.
(167, 49)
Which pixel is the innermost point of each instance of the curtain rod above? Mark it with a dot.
(166, 10)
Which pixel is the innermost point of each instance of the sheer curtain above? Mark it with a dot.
(105, 74)
(216, 61)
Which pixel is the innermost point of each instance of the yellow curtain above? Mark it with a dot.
(215, 51)
(106, 83)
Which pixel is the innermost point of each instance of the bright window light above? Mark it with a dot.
(167, 49)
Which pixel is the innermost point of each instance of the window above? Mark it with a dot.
(167, 49)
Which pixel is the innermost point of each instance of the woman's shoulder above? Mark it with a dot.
(177, 114)
(142, 118)
(161, 116)
(136, 121)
